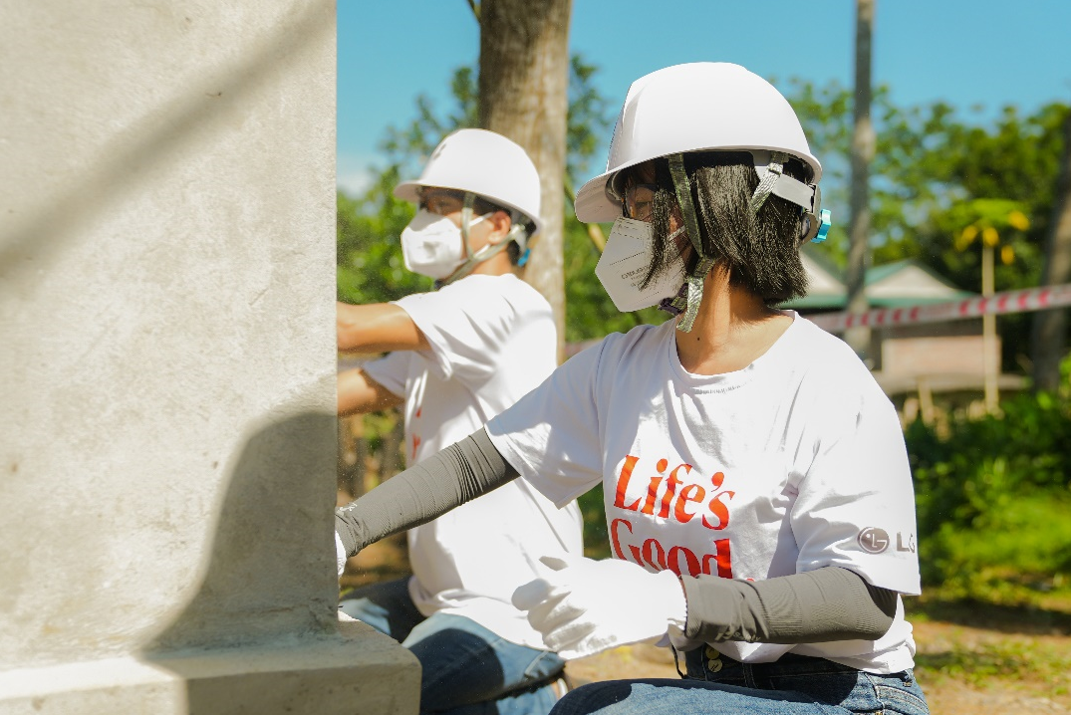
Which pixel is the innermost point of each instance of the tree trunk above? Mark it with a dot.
(862, 154)
(524, 82)
(1049, 334)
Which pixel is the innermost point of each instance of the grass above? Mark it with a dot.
(982, 664)
(1048, 614)
(992, 647)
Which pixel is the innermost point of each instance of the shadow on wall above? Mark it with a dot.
(269, 570)
(156, 139)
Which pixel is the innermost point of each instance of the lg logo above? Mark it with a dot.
(874, 540)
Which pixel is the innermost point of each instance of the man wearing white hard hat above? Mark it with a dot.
(459, 356)
(757, 488)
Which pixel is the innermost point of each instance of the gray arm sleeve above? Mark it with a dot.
(457, 474)
(825, 605)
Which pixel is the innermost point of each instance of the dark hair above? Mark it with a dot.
(761, 251)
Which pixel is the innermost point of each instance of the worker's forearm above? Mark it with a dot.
(358, 393)
(817, 606)
(457, 474)
(376, 328)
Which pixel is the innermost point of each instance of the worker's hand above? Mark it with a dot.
(348, 530)
(586, 606)
(340, 554)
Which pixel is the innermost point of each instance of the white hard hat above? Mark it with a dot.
(486, 164)
(704, 106)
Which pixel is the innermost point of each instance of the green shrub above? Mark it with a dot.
(985, 461)
(1012, 551)
(596, 537)
(994, 498)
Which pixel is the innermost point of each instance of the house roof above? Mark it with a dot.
(909, 283)
(889, 285)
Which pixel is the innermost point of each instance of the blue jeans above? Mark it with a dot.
(716, 685)
(466, 669)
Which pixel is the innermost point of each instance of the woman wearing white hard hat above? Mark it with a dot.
(461, 355)
(757, 488)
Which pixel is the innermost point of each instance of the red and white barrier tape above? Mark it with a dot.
(1012, 301)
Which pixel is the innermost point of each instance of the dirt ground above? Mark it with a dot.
(981, 660)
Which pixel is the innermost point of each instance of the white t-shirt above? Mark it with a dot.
(492, 340)
(791, 464)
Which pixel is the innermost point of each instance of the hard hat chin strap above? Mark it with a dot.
(690, 296)
(466, 221)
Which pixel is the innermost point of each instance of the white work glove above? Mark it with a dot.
(588, 606)
(340, 554)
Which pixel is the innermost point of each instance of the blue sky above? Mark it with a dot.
(964, 52)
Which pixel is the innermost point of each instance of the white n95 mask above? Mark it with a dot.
(625, 262)
(431, 245)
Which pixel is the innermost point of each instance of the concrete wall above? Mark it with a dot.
(167, 264)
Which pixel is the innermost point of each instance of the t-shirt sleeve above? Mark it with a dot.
(552, 435)
(466, 324)
(856, 507)
(390, 371)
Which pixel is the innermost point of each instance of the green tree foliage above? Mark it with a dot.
(587, 123)
(930, 170)
(928, 160)
(370, 268)
(1017, 160)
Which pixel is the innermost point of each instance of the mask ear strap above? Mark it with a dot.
(692, 296)
(466, 219)
(473, 259)
(479, 257)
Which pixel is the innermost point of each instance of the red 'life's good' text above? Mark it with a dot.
(669, 497)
